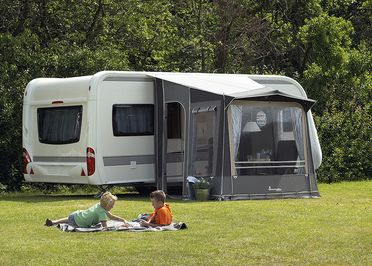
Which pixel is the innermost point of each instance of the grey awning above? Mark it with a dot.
(279, 96)
(222, 84)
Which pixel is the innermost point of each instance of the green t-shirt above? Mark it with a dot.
(91, 216)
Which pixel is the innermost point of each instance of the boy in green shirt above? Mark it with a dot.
(98, 213)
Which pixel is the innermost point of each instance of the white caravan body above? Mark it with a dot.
(118, 159)
(72, 132)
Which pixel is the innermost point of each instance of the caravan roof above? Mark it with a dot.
(233, 85)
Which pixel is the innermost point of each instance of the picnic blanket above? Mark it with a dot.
(117, 226)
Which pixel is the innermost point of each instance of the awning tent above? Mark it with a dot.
(209, 96)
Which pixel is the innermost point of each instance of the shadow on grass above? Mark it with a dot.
(32, 198)
(19, 197)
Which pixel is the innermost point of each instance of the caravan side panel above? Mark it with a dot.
(125, 134)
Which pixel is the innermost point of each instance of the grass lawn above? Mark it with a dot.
(335, 229)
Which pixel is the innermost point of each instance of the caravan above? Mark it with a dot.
(253, 136)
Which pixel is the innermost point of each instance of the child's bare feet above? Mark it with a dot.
(48, 222)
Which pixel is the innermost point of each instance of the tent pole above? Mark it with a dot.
(223, 111)
(310, 155)
(159, 135)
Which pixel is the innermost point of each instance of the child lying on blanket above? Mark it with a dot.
(98, 213)
(162, 214)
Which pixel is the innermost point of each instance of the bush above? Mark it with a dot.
(345, 139)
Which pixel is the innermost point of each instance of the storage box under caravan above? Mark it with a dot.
(252, 136)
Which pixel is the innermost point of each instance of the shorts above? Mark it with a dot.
(71, 220)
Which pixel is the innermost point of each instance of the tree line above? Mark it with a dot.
(324, 44)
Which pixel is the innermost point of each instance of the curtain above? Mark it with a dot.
(277, 120)
(296, 115)
(59, 125)
(237, 115)
(134, 120)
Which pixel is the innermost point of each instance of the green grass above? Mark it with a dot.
(335, 229)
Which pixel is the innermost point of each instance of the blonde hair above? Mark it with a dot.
(108, 200)
(158, 195)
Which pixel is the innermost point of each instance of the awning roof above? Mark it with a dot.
(236, 86)
(223, 84)
(276, 95)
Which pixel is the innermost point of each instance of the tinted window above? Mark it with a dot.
(287, 120)
(174, 121)
(59, 125)
(204, 127)
(268, 139)
(133, 120)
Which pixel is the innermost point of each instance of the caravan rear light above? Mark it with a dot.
(82, 172)
(26, 160)
(91, 161)
(57, 102)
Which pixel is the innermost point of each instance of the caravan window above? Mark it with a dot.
(59, 125)
(268, 138)
(133, 119)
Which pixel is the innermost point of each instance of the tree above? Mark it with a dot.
(325, 44)
(338, 76)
